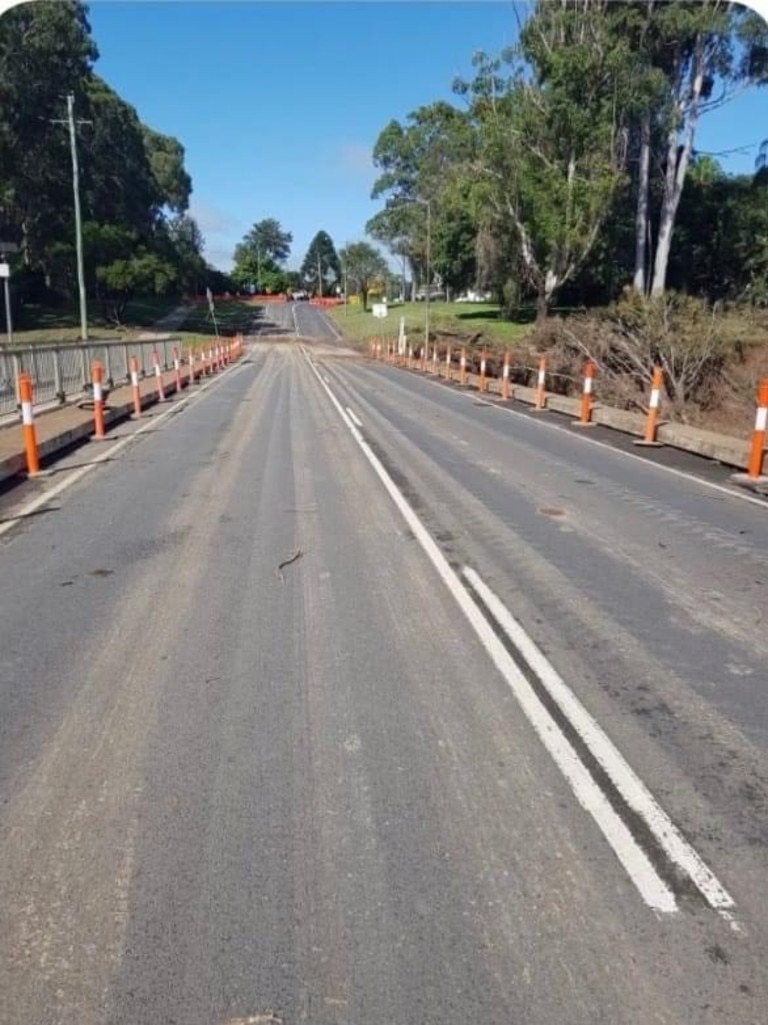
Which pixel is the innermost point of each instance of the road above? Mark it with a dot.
(268, 753)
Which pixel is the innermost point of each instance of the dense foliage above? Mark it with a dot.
(571, 171)
(134, 189)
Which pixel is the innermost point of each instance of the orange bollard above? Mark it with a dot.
(463, 367)
(585, 416)
(541, 395)
(482, 371)
(177, 369)
(97, 379)
(28, 424)
(423, 359)
(755, 467)
(653, 408)
(505, 377)
(135, 387)
(191, 367)
(448, 363)
(158, 376)
(410, 356)
(434, 359)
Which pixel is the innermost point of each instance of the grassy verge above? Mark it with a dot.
(39, 325)
(452, 318)
(231, 317)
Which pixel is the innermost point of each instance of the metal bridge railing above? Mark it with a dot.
(62, 372)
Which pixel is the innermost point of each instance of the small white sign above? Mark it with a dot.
(379, 310)
(5, 270)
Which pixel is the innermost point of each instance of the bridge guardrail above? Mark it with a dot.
(62, 372)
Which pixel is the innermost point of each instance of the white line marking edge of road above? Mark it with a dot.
(652, 888)
(352, 415)
(724, 489)
(621, 774)
(43, 499)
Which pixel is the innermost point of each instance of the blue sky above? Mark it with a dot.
(279, 104)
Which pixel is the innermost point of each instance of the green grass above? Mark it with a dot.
(467, 319)
(38, 324)
(231, 316)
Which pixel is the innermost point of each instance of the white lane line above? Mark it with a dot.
(76, 475)
(623, 777)
(352, 416)
(652, 888)
(732, 492)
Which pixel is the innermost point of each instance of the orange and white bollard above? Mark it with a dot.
(410, 356)
(158, 376)
(423, 359)
(28, 424)
(448, 363)
(482, 371)
(541, 380)
(585, 412)
(435, 369)
(135, 387)
(191, 367)
(177, 369)
(505, 377)
(757, 453)
(653, 409)
(463, 367)
(97, 380)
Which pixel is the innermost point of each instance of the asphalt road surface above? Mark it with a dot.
(340, 697)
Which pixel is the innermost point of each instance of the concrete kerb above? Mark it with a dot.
(717, 447)
(82, 431)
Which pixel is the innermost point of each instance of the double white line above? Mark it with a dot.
(501, 636)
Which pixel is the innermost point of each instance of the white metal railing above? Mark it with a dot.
(62, 372)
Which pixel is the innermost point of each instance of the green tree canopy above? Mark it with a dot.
(364, 266)
(321, 265)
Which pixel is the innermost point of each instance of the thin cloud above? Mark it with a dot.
(210, 220)
(356, 157)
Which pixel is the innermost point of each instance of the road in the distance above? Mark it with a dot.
(235, 790)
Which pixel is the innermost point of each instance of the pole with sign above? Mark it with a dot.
(5, 274)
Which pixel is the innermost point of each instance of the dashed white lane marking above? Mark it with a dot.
(652, 888)
(352, 416)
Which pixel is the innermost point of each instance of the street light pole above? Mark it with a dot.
(78, 221)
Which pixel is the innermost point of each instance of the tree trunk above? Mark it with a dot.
(364, 294)
(641, 215)
(677, 166)
(542, 305)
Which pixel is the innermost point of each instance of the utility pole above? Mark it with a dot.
(78, 220)
(429, 269)
(70, 121)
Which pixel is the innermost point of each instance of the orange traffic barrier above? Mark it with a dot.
(423, 359)
(97, 380)
(158, 376)
(505, 377)
(177, 369)
(463, 367)
(482, 371)
(135, 387)
(541, 395)
(755, 467)
(448, 363)
(191, 367)
(434, 359)
(410, 356)
(653, 408)
(28, 424)
(585, 414)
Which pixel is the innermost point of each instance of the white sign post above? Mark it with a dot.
(379, 310)
(402, 340)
